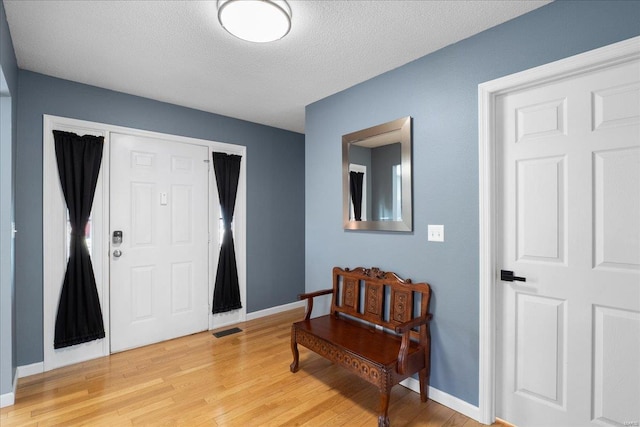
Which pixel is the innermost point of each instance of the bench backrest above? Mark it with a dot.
(379, 297)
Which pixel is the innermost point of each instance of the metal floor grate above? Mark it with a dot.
(226, 332)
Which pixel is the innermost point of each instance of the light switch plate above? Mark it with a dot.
(436, 233)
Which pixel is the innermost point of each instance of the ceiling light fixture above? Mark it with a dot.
(257, 21)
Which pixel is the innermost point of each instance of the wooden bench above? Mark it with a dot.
(378, 328)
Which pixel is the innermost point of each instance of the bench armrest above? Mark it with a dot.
(315, 294)
(407, 326)
(405, 330)
(309, 297)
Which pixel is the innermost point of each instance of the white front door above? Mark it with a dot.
(159, 271)
(568, 220)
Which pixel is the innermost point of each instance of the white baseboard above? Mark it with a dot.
(445, 399)
(224, 325)
(9, 399)
(27, 370)
(275, 310)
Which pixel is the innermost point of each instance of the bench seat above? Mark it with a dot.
(380, 347)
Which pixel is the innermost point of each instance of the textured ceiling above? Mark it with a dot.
(176, 51)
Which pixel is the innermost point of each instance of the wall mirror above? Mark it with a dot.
(376, 177)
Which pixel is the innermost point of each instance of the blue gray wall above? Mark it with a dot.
(275, 189)
(8, 102)
(440, 92)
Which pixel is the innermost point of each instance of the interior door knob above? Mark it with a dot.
(117, 253)
(507, 276)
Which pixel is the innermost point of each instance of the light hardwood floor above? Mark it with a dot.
(238, 380)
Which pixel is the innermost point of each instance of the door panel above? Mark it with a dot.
(182, 287)
(540, 206)
(181, 214)
(568, 215)
(142, 214)
(142, 279)
(159, 200)
(616, 106)
(616, 364)
(540, 354)
(616, 174)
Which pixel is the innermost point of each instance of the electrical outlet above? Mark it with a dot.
(436, 233)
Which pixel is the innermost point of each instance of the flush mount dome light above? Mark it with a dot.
(257, 21)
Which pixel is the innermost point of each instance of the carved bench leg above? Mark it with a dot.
(294, 349)
(383, 417)
(425, 373)
(424, 384)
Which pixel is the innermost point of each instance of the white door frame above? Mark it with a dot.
(54, 233)
(607, 56)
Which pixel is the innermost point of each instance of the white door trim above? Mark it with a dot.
(607, 56)
(54, 233)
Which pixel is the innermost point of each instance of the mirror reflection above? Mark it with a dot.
(377, 177)
(383, 181)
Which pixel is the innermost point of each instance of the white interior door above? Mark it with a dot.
(159, 272)
(568, 220)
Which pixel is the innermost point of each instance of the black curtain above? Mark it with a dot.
(355, 183)
(79, 317)
(226, 293)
